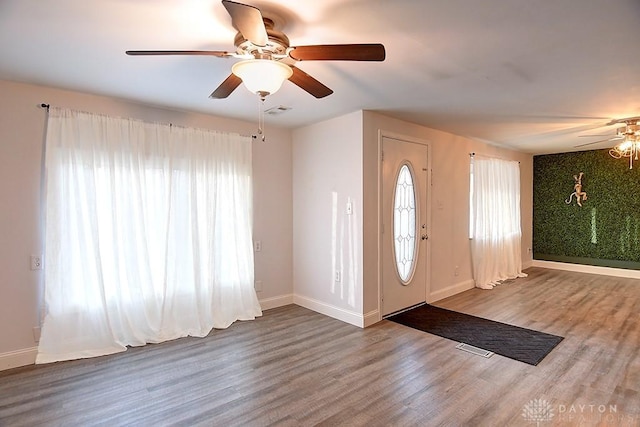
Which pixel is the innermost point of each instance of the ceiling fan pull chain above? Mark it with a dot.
(261, 99)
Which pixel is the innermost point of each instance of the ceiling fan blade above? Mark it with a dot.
(615, 138)
(628, 121)
(339, 52)
(226, 87)
(308, 83)
(218, 53)
(591, 143)
(620, 132)
(248, 20)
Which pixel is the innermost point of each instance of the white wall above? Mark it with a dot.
(327, 175)
(21, 143)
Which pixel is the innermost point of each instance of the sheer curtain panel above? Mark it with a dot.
(495, 215)
(147, 234)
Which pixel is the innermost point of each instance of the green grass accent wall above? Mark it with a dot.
(605, 231)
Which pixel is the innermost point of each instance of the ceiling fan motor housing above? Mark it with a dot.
(276, 46)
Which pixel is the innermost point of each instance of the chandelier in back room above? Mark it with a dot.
(630, 144)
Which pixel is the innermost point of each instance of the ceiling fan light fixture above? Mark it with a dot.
(262, 76)
(630, 146)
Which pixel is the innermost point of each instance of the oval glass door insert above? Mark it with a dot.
(404, 224)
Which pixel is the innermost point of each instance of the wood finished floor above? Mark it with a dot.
(294, 367)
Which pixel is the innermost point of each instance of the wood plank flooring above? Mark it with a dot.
(294, 367)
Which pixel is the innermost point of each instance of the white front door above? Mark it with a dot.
(404, 224)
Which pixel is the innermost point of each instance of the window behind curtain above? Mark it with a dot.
(495, 221)
(148, 234)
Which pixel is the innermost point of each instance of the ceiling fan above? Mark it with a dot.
(629, 131)
(265, 51)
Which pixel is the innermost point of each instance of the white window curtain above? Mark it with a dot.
(495, 215)
(148, 234)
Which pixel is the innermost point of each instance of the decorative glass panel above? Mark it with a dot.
(404, 223)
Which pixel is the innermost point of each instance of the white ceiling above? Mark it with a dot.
(533, 75)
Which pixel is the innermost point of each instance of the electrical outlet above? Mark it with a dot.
(36, 262)
(456, 271)
(257, 245)
(258, 285)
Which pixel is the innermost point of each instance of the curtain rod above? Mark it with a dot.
(253, 136)
(473, 154)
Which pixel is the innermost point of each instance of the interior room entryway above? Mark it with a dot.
(405, 223)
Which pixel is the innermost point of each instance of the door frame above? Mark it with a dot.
(404, 138)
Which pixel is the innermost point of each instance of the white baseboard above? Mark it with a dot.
(15, 359)
(346, 316)
(591, 269)
(372, 317)
(275, 302)
(454, 289)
